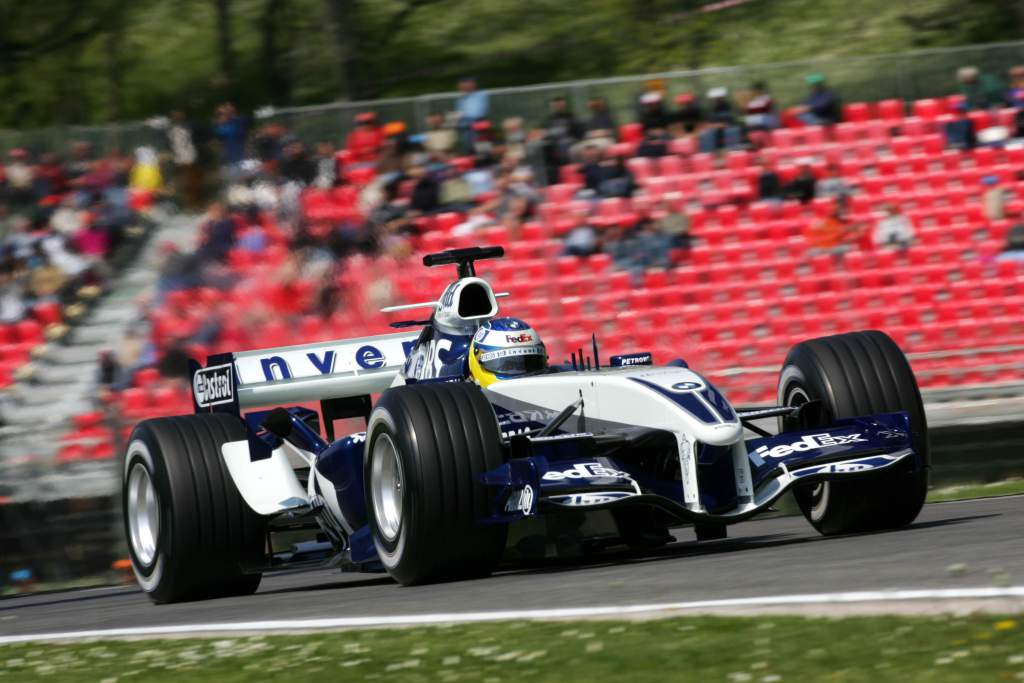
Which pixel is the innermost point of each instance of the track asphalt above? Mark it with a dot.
(975, 543)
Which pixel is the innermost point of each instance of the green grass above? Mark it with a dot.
(1009, 487)
(766, 649)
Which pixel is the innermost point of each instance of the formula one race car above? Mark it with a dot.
(474, 431)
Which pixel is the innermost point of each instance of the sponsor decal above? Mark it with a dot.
(629, 359)
(520, 501)
(588, 499)
(213, 386)
(687, 386)
(848, 467)
(510, 352)
(518, 338)
(807, 443)
(586, 470)
(369, 357)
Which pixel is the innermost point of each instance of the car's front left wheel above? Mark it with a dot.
(426, 447)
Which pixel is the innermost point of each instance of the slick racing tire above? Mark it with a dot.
(854, 374)
(189, 531)
(426, 447)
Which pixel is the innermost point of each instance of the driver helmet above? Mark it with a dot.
(504, 348)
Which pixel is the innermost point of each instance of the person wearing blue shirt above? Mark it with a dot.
(472, 106)
(821, 108)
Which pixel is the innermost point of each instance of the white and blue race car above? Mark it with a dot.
(472, 431)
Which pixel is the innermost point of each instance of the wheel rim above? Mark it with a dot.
(386, 487)
(143, 514)
(820, 491)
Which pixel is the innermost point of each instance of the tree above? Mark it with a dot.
(225, 44)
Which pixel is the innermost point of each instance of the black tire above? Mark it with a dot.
(854, 374)
(444, 437)
(206, 530)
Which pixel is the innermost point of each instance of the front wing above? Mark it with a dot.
(595, 471)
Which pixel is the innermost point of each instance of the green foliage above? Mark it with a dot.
(77, 61)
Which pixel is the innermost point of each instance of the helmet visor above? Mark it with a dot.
(515, 361)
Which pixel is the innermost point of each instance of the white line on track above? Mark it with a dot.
(610, 611)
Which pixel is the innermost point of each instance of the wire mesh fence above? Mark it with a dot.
(906, 76)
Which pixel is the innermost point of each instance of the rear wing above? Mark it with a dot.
(307, 372)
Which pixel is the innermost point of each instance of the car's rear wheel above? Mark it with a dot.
(189, 532)
(856, 374)
(426, 447)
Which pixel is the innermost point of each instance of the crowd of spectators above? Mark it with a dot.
(61, 218)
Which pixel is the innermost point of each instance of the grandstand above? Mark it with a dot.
(731, 305)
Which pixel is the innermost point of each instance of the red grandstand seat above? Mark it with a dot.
(146, 377)
(928, 108)
(671, 165)
(683, 146)
(631, 132)
(857, 111)
(890, 109)
(448, 220)
(29, 331)
(47, 313)
(134, 400)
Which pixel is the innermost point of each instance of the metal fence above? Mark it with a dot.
(907, 76)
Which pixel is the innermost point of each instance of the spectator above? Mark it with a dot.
(187, 171)
(600, 125)
(643, 247)
(20, 175)
(760, 109)
(1014, 249)
(218, 234)
(472, 106)
(12, 293)
(582, 239)
(515, 136)
(365, 140)
(654, 144)
(803, 187)
(821, 108)
(45, 278)
(326, 164)
(652, 110)
(960, 131)
(834, 233)
(558, 133)
(605, 175)
(721, 131)
(426, 192)
(231, 130)
(893, 230)
(688, 117)
(145, 173)
(769, 185)
(993, 199)
(833, 185)
(296, 166)
(438, 139)
(980, 91)
(109, 374)
(1015, 93)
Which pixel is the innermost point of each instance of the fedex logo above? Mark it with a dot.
(518, 339)
(809, 442)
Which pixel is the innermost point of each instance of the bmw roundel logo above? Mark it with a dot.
(687, 386)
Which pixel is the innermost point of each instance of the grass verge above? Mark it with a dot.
(1008, 487)
(767, 650)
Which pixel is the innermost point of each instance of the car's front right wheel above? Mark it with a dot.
(852, 375)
